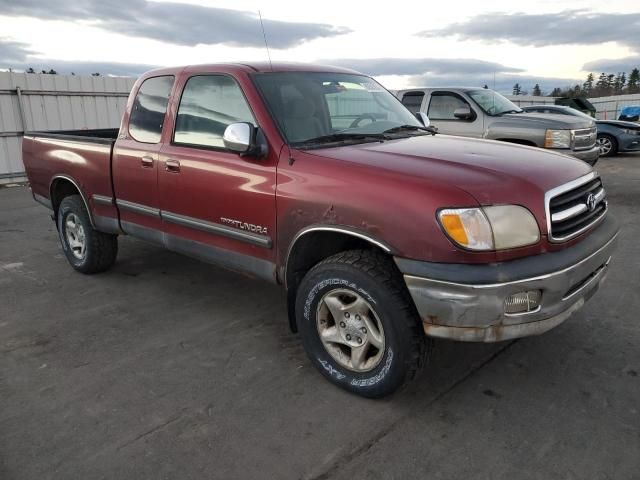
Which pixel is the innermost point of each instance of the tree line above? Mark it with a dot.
(606, 85)
(52, 72)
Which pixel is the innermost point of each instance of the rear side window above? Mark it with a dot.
(208, 105)
(149, 109)
(413, 101)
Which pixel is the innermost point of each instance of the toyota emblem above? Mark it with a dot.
(591, 202)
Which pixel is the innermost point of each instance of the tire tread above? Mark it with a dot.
(104, 246)
(381, 269)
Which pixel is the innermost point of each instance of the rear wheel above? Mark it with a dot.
(358, 323)
(86, 249)
(607, 144)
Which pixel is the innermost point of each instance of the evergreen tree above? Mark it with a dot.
(601, 85)
(517, 89)
(536, 91)
(587, 86)
(633, 85)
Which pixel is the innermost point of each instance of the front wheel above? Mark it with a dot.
(86, 249)
(358, 324)
(607, 144)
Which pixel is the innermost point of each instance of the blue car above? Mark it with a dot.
(614, 136)
(630, 114)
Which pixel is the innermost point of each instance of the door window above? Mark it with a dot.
(208, 105)
(149, 108)
(442, 106)
(413, 101)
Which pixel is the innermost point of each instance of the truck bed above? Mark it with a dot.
(57, 161)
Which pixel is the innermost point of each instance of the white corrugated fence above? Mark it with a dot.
(54, 102)
(608, 108)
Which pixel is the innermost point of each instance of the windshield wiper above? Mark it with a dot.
(400, 128)
(338, 137)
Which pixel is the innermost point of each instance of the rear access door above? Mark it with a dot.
(135, 160)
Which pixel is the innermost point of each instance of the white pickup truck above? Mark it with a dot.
(484, 113)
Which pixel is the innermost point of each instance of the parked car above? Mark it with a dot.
(483, 113)
(630, 114)
(382, 232)
(613, 135)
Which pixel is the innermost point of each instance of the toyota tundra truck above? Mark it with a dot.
(382, 232)
(483, 113)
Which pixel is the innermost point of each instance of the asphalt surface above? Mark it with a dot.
(165, 367)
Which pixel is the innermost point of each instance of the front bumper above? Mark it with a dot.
(590, 156)
(467, 302)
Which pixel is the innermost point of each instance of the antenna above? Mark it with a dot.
(264, 35)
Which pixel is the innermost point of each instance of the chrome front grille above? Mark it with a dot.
(585, 138)
(575, 207)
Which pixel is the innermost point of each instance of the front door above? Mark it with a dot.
(441, 108)
(215, 204)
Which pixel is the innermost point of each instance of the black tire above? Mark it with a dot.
(614, 144)
(376, 279)
(100, 249)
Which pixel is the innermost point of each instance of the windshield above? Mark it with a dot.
(493, 103)
(339, 107)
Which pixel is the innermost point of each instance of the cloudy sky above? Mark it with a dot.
(551, 42)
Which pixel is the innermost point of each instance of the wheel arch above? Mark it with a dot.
(62, 186)
(315, 243)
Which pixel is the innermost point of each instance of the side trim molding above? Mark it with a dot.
(102, 200)
(138, 208)
(217, 229)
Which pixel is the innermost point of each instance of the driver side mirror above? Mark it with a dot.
(423, 118)
(463, 113)
(244, 138)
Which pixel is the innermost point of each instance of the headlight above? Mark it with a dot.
(631, 132)
(557, 139)
(490, 228)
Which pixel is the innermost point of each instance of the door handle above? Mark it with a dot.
(146, 161)
(172, 166)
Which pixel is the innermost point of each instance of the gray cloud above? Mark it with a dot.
(181, 24)
(503, 81)
(569, 27)
(18, 56)
(441, 72)
(616, 65)
(414, 66)
(13, 51)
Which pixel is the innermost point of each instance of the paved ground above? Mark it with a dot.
(169, 368)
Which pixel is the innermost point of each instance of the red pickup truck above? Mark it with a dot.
(382, 232)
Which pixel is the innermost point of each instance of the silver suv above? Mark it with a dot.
(483, 113)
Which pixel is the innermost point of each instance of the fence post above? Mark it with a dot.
(23, 118)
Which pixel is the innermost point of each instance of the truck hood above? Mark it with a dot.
(544, 120)
(620, 123)
(492, 172)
